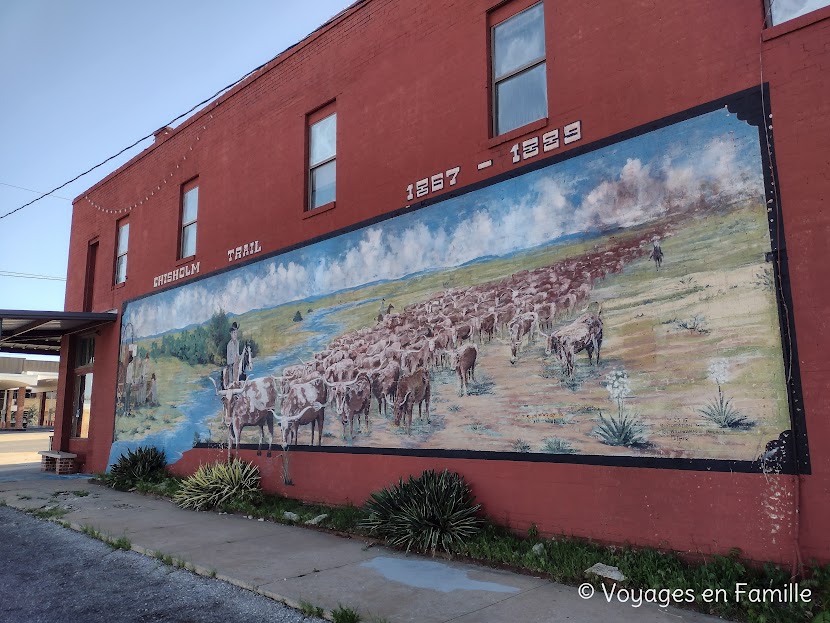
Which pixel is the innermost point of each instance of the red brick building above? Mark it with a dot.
(417, 91)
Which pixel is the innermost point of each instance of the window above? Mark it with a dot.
(190, 213)
(121, 251)
(783, 10)
(520, 94)
(84, 360)
(322, 169)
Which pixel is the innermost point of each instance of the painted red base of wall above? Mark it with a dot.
(648, 507)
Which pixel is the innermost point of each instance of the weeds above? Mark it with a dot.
(80, 493)
(696, 324)
(343, 614)
(50, 512)
(24, 497)
(310, 610)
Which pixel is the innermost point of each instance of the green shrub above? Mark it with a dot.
(146, 464)
(432, 511)
(216, 483)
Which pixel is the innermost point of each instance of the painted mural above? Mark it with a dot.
(616, 303)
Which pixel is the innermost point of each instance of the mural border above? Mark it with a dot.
(751, 105)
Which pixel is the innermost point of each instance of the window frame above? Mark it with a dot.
(187, 187)
(312, 119)
(498, 17)
(119, 226)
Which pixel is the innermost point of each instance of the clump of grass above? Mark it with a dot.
(120, 543)
(343, 614)
(520, 445)
(623, 430)
(80, 493)
(217, 483)
(696, 324)
(24, 497)
(436, 510)
(50, 512)
(555, 445)
(310, 610)
(146, 464)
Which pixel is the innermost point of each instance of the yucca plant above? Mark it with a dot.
(722, 413)
(146, 464)
(624, 430)
(435, 510)
(215, 483)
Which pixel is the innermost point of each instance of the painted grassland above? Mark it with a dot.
(708, 315)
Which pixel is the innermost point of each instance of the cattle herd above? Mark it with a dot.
(390, 361)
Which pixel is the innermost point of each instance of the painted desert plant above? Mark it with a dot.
(623, 430)
(721, 411)
(555, 445)
(215, 483)
(435, 510)
(146, 464)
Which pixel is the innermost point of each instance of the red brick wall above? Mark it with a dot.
(410, 80)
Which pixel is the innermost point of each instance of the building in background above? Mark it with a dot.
(571, 252)
(27, 387)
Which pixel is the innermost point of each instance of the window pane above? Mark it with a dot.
(323, 184)
(121, 269)
(783, 10)
(519, 41)
(323, 140)
(123, 238)
(190, 208)
(521, 99)
(189, 240)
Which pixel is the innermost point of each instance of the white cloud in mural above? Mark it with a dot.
(636, 193)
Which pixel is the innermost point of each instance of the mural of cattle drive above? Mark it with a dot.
(615, 303)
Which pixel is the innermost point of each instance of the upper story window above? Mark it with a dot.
(779, 11)
(322, 161)
(190, 214)
(520, 93)
(121, 247)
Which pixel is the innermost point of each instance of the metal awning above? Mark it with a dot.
(40, 332)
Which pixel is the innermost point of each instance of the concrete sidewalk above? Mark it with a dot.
(293, 564)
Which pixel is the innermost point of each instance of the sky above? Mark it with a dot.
(84, 79)
(633, 182)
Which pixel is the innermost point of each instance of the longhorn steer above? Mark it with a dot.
(303, 403)
(523, 324)
(584, 333)
(412, 389)
(385, 385)
(351, 399)
(464, 362)
(249, 405)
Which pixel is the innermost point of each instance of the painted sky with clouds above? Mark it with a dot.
(621, 185)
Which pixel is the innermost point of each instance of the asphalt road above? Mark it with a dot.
(53, 574)
(20, 447)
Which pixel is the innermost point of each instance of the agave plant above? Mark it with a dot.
(146, 464)
(435, 510)
(624, 430)
(215, 483)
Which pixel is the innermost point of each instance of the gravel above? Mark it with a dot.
(54, 574)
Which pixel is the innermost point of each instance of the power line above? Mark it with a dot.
(33, 191)
(6, 273)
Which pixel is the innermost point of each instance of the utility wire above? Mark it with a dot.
(6, 273)
(33, 191)
(184, 114)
